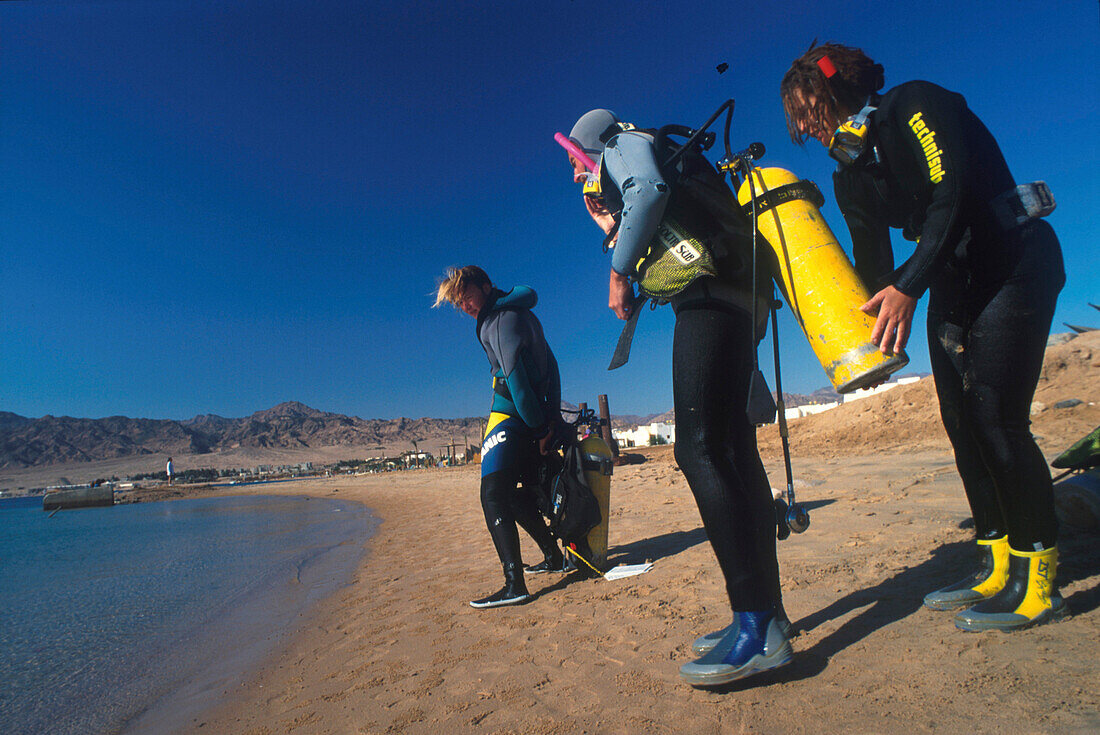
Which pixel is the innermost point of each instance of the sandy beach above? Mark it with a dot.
(400, 651)
(237, 247)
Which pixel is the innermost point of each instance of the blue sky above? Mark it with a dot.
(216, 207)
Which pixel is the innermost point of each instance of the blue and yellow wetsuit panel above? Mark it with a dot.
(527, 388)
(507, 444)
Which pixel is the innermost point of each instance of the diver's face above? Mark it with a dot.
(813, 120)
(580, 173)
(473, 300)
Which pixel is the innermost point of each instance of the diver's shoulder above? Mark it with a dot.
(917, 92)
(520, 297)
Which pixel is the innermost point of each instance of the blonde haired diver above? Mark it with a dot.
(525, 421)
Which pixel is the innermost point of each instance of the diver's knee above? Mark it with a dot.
(494, 490)
(697, 450)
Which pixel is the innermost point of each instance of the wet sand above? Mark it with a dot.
(401, 651)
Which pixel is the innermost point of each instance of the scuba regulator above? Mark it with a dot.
(849, 142)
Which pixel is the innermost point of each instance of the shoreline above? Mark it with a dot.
(254, 627)
(166, 710)
(132, 618)
(399, 650)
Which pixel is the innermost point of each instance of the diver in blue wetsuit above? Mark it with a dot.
(524, 421)
(712, 366)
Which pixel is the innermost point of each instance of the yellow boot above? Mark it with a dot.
(1029, 598)
(990, 579)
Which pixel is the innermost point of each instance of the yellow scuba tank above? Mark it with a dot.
(598, 466)
(819, 283)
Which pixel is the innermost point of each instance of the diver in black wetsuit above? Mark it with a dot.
(711, 366)
(918, 159)
(524, 422)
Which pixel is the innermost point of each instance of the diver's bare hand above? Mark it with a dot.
(599, 214)
(894, 311)
(620, 296)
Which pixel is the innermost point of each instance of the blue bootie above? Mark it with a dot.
(706, 643)
(757, 643)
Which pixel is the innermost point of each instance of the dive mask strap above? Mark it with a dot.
(614, 129)
(849, 142)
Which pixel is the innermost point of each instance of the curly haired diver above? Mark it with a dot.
(917, 158)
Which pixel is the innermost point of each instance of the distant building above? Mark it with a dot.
(417, 459)
(644, 436)
(868, 392)
(797, 412)
(807, 409)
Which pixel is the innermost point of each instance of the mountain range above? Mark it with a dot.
(27, 442)
(36, 442)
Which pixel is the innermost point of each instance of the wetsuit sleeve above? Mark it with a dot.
(515, 361)
(930, 125)
(553, 395)
(632, 166)
(523, 393)
(871, 249)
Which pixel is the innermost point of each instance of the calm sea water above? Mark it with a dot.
(140, 616)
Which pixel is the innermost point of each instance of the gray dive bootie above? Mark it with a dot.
(758, 644)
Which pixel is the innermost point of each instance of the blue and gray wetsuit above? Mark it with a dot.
(526, 406)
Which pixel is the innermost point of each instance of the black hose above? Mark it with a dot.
(728, 104)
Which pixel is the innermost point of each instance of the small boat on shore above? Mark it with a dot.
(79, 497)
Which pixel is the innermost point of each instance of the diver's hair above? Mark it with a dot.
(857, 78)
(455, 282)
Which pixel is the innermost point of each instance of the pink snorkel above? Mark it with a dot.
(576, 152)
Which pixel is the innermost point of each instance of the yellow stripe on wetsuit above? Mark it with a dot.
(495, 417)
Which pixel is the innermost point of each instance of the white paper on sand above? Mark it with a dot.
(628, 570)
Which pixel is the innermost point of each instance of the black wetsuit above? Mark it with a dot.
(934, 172)
(711, 368)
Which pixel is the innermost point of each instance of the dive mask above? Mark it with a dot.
(850, 140)
(592, 185)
